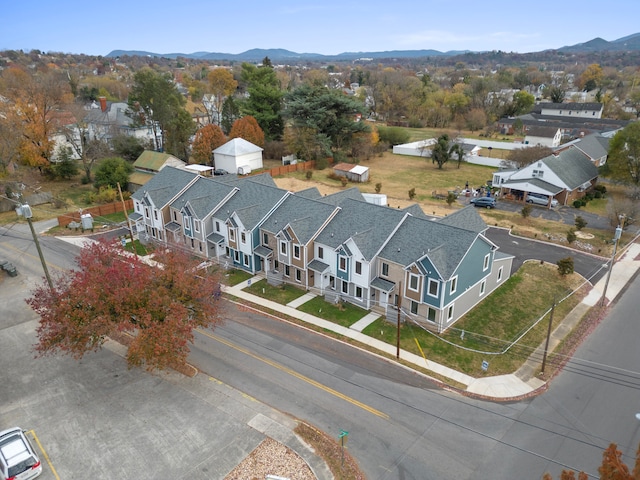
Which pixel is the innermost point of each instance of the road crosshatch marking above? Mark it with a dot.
(297, 375)
(35, 438)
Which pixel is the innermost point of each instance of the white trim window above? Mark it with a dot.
(243, 238)
(245, 260)
(196, 226)
(414, 307)
(433, 288)
(359, 292)
(385, 269)
(450, 313)
(232, 235)
(296, 252)
(265, 239)
(454, 285)
(431, 315)
(217, 226)
(298, 275)
(499, 279)
(485, 263)
(414, 282)
(359, 268)
(342, 263)
(483, 287)
(320, 252)
(345, 288)
(283, 247)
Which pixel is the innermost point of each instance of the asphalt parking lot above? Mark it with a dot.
(97, 419)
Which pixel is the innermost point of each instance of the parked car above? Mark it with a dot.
(18, 460)
(486, 202)
(220, 171)
(539, 199)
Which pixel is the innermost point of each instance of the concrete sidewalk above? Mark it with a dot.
(515, 385)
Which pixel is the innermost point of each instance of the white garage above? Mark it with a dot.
(238, 156)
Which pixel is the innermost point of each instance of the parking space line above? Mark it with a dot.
(44, 454)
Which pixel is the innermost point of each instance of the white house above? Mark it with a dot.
(237, 154)
(586, 110)
(547, 136)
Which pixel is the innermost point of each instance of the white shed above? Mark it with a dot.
(237, 153)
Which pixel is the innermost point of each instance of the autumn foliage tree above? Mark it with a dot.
(247, 127)
(208, 138)
(612, 468)
(222, 84)
(36, 99)
(111, 293)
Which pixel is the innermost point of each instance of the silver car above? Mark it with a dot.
(539, 199)
(18, 460)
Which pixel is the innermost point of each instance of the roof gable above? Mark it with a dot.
(237, 147)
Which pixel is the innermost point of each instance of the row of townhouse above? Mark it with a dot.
(340, 246)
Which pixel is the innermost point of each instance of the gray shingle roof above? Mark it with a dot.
(165, 185)
(595, 145)
(368, 224)
(304, 215)
(203, 196)
(252, 202)
(444, 245)
(572, 167)
(467, 218)
(339, 197)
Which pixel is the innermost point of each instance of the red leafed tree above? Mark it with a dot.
(159, 305)
(612, 468)
(208, 138)
(247, 127)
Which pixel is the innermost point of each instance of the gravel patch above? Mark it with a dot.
(272, 458)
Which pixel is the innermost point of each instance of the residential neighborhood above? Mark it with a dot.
(256, 257)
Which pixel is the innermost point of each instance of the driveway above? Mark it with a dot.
(589, 266)
(563, 214)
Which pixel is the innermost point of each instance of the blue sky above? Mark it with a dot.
(310, 26)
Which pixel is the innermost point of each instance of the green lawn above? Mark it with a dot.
(234, 276)
(492, 325)
(343, 313)
(282, 294)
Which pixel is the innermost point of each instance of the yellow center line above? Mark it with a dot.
(44, 454)
(21, 252)
(297, 375)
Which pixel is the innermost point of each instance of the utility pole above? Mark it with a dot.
(616, 238)
(25, 211)
(398, 333)
(124, 210)
(546, 345)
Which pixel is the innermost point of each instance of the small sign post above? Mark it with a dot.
(343, 439)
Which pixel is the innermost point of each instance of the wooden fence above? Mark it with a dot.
(298, 167)
(98, 211)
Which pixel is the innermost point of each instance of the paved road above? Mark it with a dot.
(400, 424)
(591, 404)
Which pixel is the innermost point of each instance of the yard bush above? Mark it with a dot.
(571, 236)
(526, 211)
(580, 222)
(577, 203)
(393, 135)
(565, 266)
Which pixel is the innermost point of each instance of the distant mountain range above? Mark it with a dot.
(628, 43)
